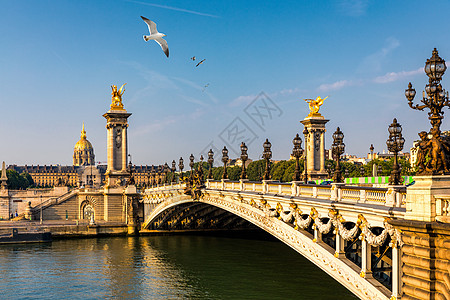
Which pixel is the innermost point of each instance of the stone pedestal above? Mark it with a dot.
(422, 197)
(315, 146)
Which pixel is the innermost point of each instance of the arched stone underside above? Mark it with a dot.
(342, 270)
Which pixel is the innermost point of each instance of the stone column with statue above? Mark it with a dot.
(117, 146)
(315, 141)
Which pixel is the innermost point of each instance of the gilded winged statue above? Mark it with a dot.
(117, 96)
(314, 105)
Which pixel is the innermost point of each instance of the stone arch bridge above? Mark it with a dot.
(341, 229)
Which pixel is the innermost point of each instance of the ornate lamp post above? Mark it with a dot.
(225, 161)
(305, 158)
(297, 152)
(200, 168)
(173, 169)
(181, 167)
(166, 172)
(267, 155)
(244, 158)
(337, 148)
(191, 164)
(395, 144)
(210, 162)
(435, 100)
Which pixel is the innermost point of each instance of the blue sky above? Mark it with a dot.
(59, 58)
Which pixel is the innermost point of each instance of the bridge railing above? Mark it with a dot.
(392, 196)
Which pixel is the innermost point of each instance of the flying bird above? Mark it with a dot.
(193, 57)
(201, 62)
(155, 35)
(204, 88)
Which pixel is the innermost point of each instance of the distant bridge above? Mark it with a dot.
(341, 229)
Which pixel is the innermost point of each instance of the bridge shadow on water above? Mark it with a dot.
(245, 264)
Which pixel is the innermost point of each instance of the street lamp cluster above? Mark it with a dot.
(432, 144)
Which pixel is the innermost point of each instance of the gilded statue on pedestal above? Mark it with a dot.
(314, 106)
(117, 96)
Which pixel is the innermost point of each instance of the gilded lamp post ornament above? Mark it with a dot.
(395, 144)
(116, 103)
(267, 155)
(210, 162)
(433, 149)
(314, 106)
(297, 152)
(337, 149)
(225, 161)
(244, 158)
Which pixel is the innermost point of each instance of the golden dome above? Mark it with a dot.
(83, 143)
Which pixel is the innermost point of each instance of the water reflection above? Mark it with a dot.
(164, 267)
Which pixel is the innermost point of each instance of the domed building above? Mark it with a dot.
(83, 152)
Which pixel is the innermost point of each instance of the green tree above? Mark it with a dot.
(18, 181)
(255, 170)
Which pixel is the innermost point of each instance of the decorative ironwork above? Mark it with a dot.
(166, 172)
(337, 149)
(225, 161)
(200, 167)
(210, 162)
(433, 149)
(267, 155)
(173, 169)
(244, 158)
(395, 144)
(297, 152)
(191, 164)
(181, 166)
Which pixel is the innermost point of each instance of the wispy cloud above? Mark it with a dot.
(242, 100)
(155, 126)
(354, 8)
(335, 85)
(374, 61)
(174, 8)
(394, 76)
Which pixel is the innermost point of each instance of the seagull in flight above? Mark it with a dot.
(201, 62)
(155, 35)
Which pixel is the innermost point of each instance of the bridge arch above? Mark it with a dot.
(281, 227)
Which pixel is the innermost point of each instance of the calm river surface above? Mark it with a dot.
(162, 267)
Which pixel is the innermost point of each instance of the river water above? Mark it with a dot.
(162, 267)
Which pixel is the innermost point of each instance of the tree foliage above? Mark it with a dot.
(18, 181)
